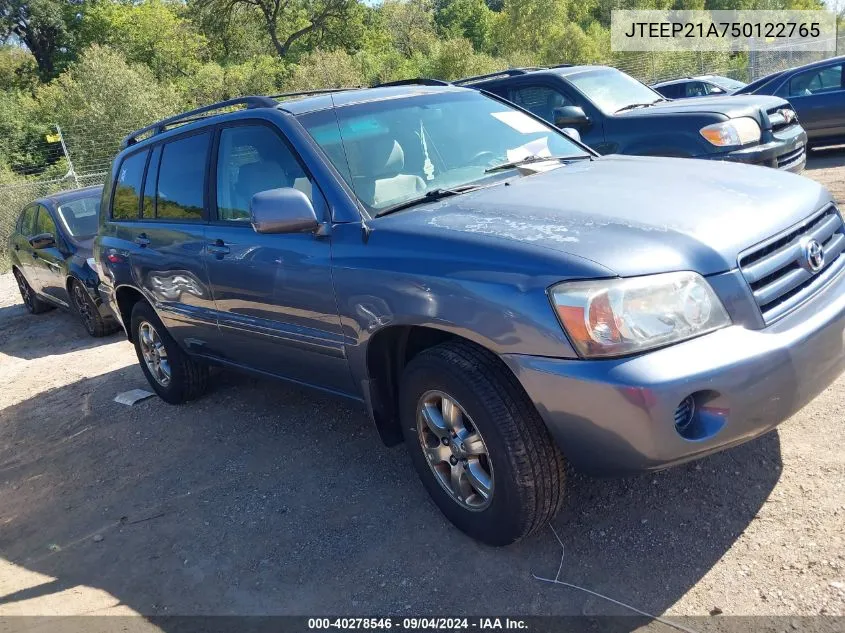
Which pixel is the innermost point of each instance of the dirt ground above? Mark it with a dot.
(262, 498)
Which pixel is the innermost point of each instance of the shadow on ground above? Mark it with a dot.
(826, 158)
(265, 499)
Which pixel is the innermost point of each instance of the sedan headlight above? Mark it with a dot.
(737, 132)
(615, 317)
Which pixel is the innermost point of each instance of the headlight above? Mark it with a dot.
(615, 317)
(734, 132)
(92, 263)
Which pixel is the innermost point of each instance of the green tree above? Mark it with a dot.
(471, 19)
(289, 21)
(152, 33)
(18, 70)
(45, 27)
(99, 99)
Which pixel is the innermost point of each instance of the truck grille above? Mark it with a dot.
(791, 158)
(781, 117)
(781, 272)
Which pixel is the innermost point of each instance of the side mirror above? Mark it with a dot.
(570, 116)
(285, 210)
(572, 133)
(42, 240)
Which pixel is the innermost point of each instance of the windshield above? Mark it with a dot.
(396, 150)
(611, 90)
(80, 216)
(726, 83)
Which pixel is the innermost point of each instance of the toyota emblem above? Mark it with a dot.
(814, 255)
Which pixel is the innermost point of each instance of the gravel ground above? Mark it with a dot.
(262, 498)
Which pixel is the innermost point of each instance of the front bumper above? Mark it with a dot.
(617, 416)
(785, 149)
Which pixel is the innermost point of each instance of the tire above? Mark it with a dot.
(88, 312)
(187, 378)
(30, 299)
(523, 467)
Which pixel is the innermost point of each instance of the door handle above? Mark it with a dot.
(142, 240)
(217, 247)
(17, 247)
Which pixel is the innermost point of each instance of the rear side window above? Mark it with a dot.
(127, 189)
(181, 178)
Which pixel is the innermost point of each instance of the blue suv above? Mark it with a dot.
(495, 293)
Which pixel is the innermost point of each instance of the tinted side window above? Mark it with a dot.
(150, 183)
(818, 80)
(27, 223)
(252, 159)
(539, 100)
(181, 178)
(695, 89)
(45, 223)
(127, 190)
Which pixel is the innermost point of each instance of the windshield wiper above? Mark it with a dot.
(511, 164)
(632, 106)
(430, 196)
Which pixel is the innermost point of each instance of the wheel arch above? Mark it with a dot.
(388, 352)
(126, 297)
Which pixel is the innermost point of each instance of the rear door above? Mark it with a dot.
(274, 294)
(818, 97)
(159, 210)
(50, 261)
(23, 251)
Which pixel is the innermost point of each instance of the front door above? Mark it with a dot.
(273, 293)
(818, 97)
(49, 262)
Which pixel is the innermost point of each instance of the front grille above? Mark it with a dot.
(779, 271)
(781, 117)
(790, 159)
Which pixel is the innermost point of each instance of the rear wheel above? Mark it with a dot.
(88, 311)
(478, 443)
(30, 300)
(173, 375)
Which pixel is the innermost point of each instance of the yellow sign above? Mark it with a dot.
(53, 138)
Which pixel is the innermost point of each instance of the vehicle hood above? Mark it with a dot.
(755, 106)
(632, 215)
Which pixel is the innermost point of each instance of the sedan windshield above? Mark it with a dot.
(611, 90)
(80, 216)
(395, 151)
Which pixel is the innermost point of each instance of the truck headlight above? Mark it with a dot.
(737, 132)
(616, 317)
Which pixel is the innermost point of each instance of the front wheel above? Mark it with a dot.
(478, 444)
(88, 312)
(173, 375)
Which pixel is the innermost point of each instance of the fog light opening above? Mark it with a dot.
(685, 415)
(695, 418)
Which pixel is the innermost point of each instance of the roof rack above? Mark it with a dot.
(305, 93)
(510, 72)
(419, 81)
(192, 115)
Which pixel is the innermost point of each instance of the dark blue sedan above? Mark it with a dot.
(817, 93)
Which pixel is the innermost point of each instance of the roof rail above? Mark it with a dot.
(305, 93)
(510, 72)
(419, 81)
(192, 115)
(563, 66)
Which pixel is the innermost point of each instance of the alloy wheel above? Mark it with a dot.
(26, 292)
(454, 450)
(154, 353)
(83, 307)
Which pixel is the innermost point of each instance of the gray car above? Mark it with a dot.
(498, 296)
